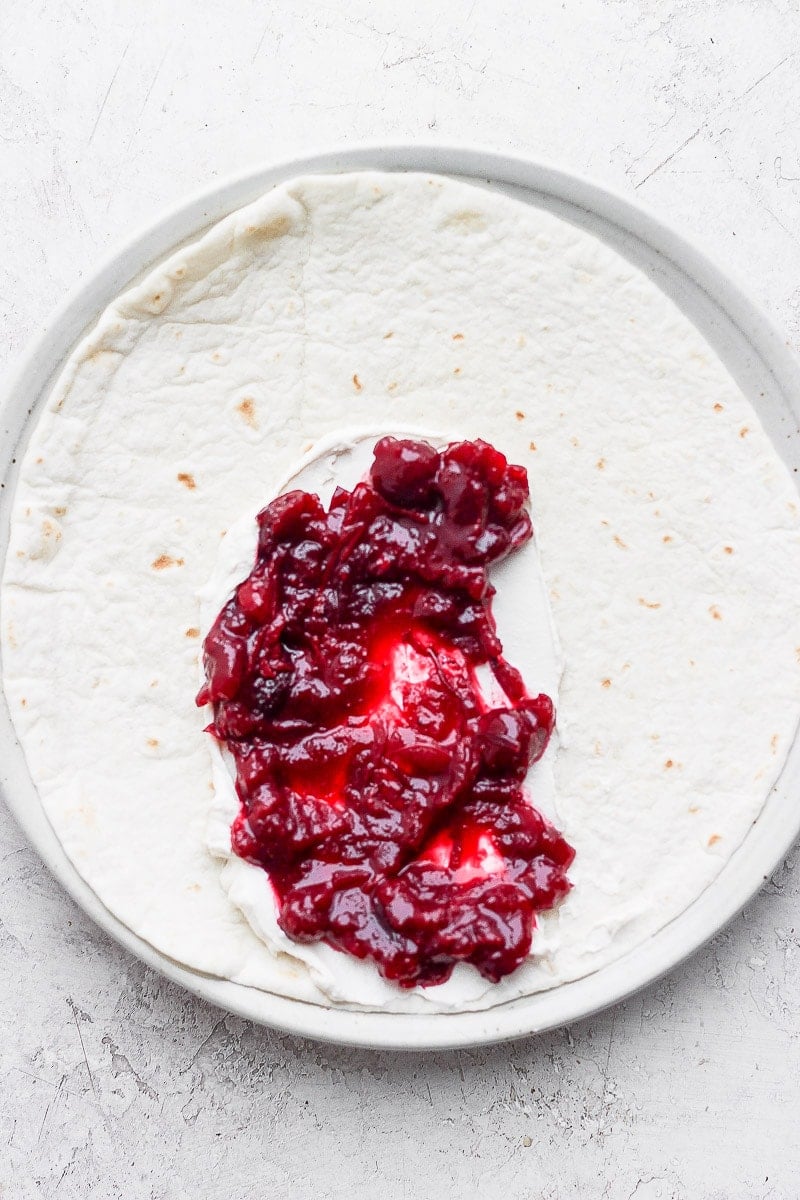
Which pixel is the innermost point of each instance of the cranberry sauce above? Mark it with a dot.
(379, 789)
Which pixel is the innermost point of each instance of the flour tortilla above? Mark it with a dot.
(667, 527)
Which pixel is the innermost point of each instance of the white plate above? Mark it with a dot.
(756, 356)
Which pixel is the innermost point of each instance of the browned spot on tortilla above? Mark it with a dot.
(773, 741)
(716, 614)
(458, 337)
(357, 384)
(666, 538)
(532, 445)
(601, 464)
(743, 432)
(388, 335)
(152, 741)
(216, 356)
(40, 459)
(575, 442)
(519, 415)
(166, 560)
(606, 683)
(193, 632)
(719, 408)
(693, 808)
(60, 510)
(466, 221)
(649, 603)
(154, 683)
(247, 409)
(728, 549)
(715, 837)
(194, 887)
(622, 545)
(24, 702)
(603, 522)
(669, 764)
(187, 480)
(390, 387)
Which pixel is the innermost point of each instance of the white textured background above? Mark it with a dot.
(114, 1083)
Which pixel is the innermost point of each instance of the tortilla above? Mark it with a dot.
(667, 527)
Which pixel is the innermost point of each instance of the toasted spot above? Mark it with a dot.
(388, 335)
(466, 221)
(715, 837)
(666, 538)
(247, 409)
(152, 741)
(693, 808)
(193, 887)
(719, 408)
(23, 702)
(669, 764)
(622, 545)
(166, 560)
(458, 337)
(519, 415)
(522, 340)
(606, 683)
(456, 370)
(728, 549)
(276, 227)
(60, 510)
(216, 357)
(575, 442)
(194, 632)
(154, 683)
(716, 614)
(40, 459)
(390, 387)
(357, 384)
(601, 464)
(307, 446)
(649, 603)
(773, 741)
(743, 432)
(532, 445)
(187, 480)
(603, 522)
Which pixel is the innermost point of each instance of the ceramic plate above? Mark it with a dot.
(754, 353)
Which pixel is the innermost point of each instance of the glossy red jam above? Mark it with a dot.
(379, 790)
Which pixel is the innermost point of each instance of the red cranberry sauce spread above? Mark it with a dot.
(379, 790)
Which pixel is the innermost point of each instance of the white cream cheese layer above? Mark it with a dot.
(525, 625)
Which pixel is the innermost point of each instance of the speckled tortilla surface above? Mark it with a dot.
(668, 531)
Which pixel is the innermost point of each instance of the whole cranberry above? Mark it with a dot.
(403, 471)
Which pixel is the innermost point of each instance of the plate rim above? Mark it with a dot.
(687, 932)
